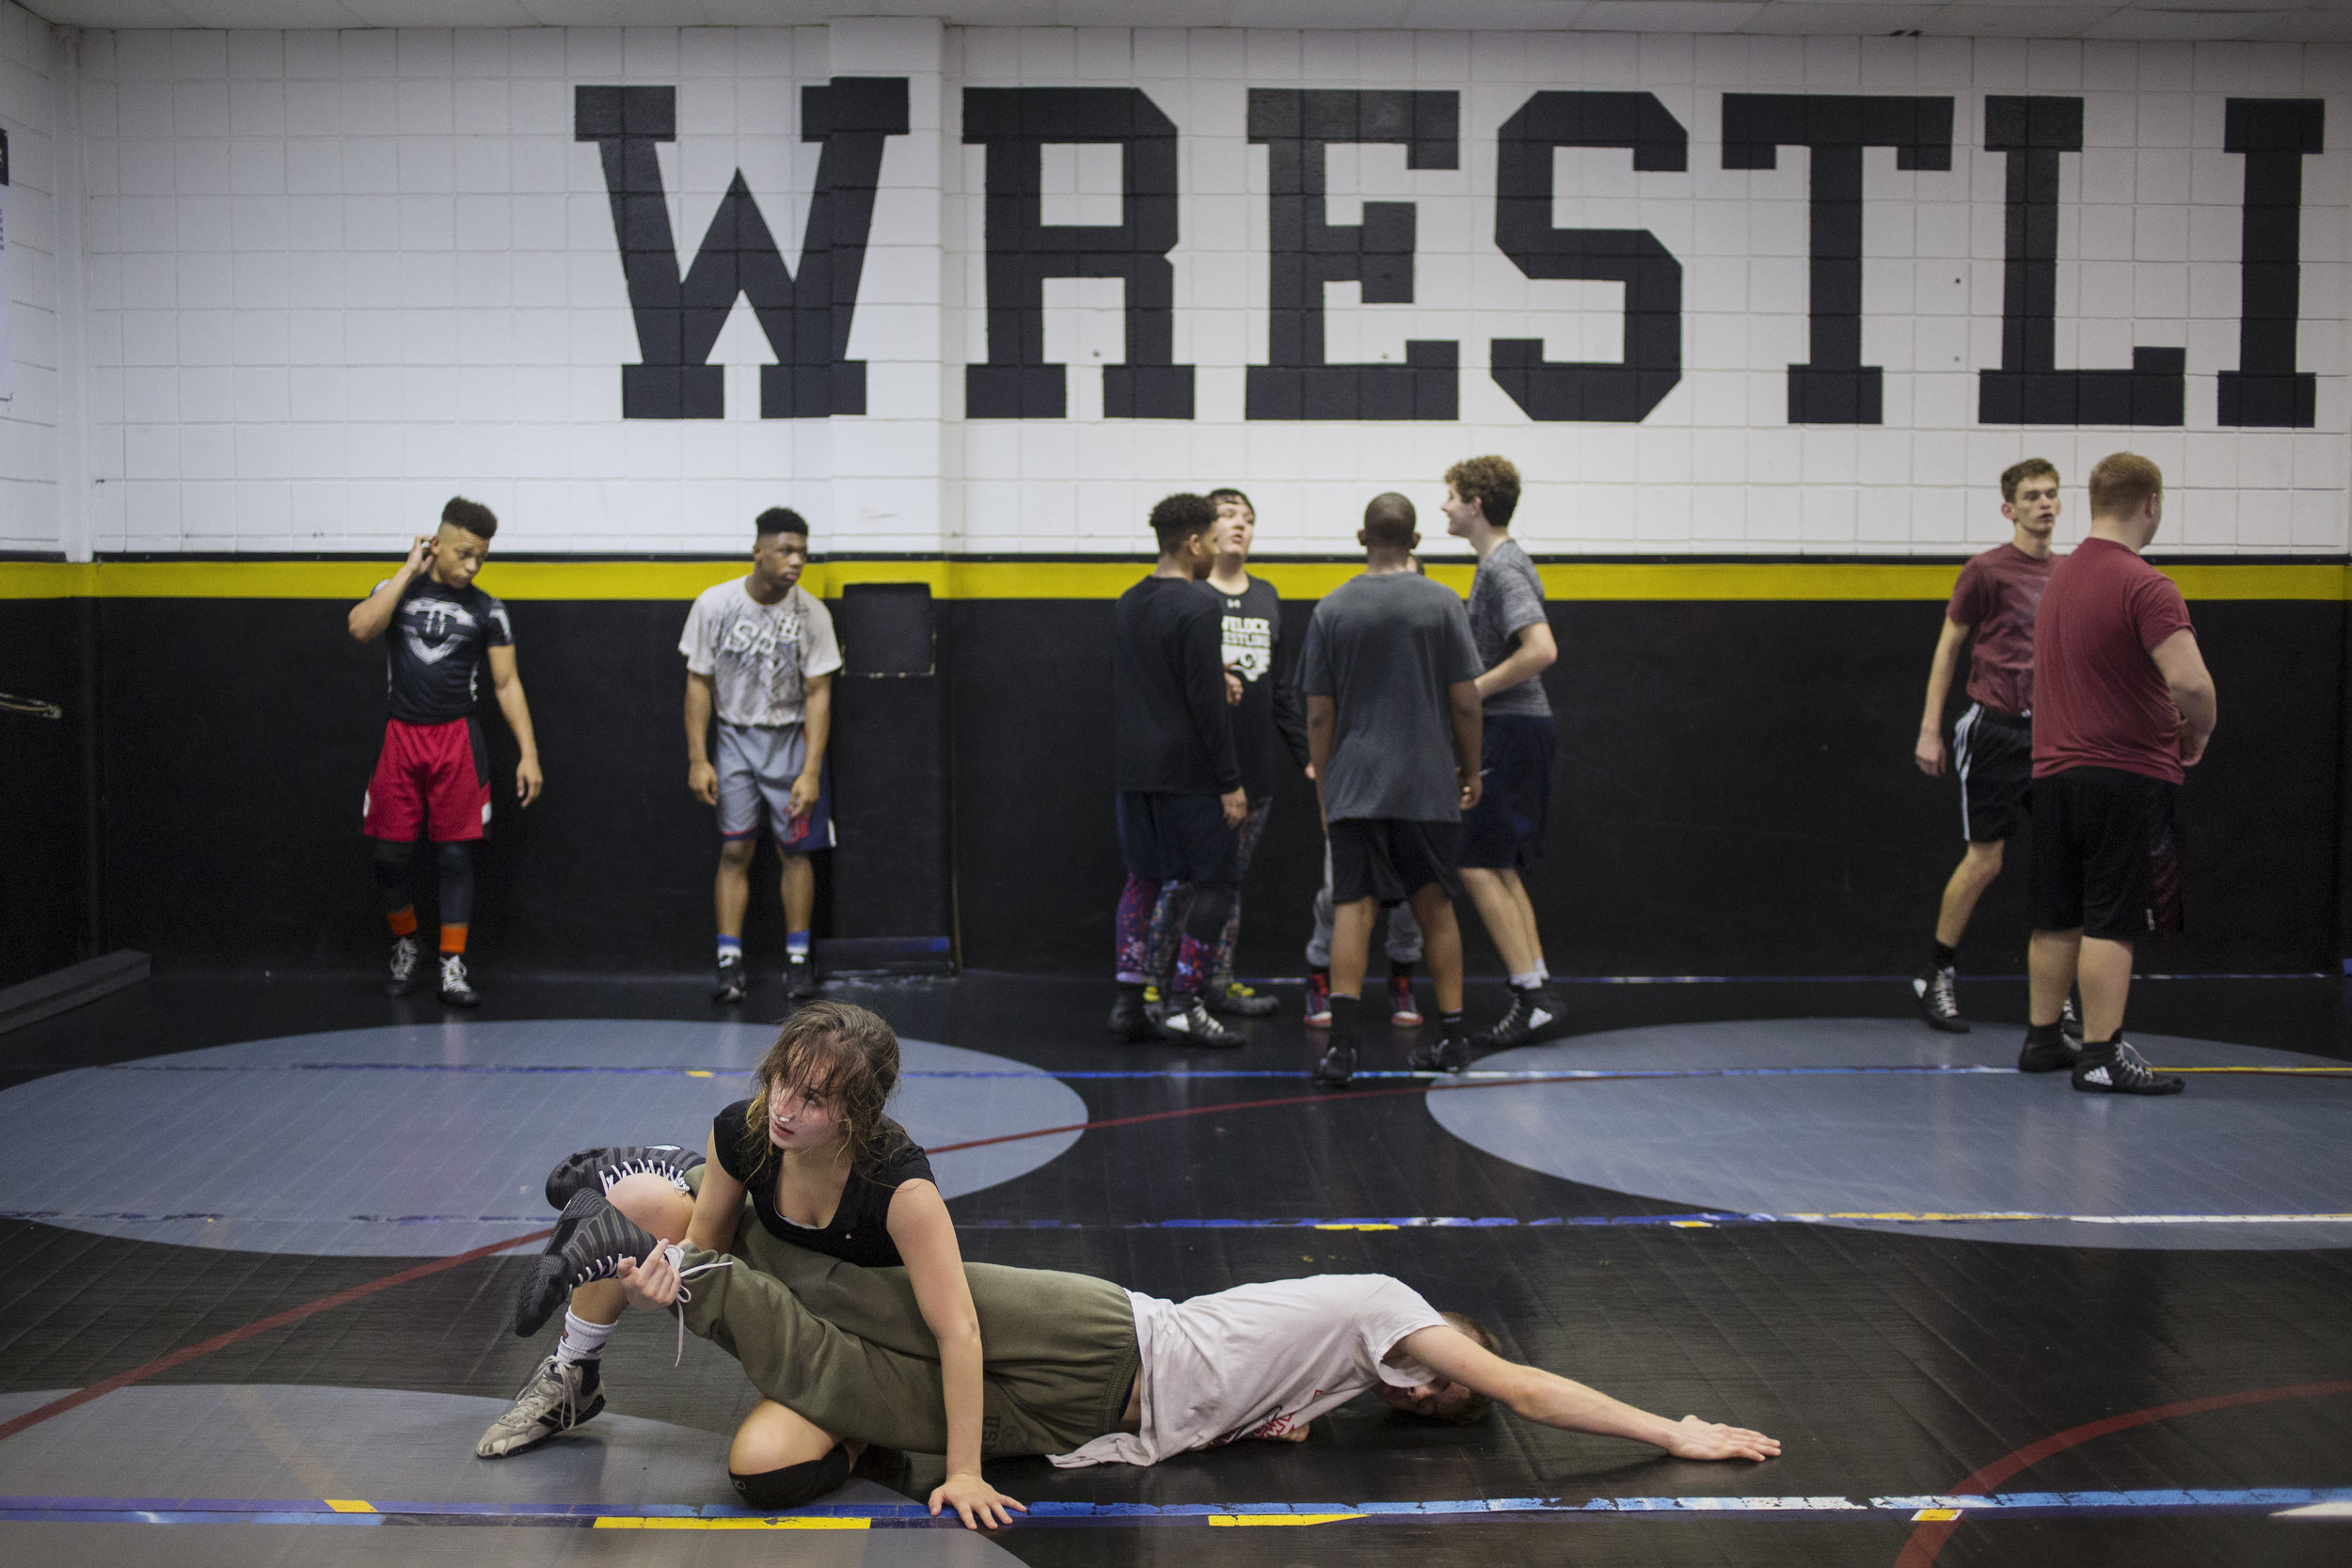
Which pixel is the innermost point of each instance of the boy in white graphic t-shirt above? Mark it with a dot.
(760, 650)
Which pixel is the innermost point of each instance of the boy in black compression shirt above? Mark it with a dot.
(434, 773)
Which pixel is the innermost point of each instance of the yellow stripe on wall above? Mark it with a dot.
(680, 580)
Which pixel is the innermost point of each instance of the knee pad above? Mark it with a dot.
(772, 1491)
(1210, 906)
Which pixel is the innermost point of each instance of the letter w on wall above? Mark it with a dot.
(806, 319)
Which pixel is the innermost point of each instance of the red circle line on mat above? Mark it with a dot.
(222, 1341)
(1928, 1540)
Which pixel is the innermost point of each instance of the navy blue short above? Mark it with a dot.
(1505, 832)
(1169, 837)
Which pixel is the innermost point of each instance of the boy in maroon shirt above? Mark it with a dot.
(2123, 704)
(1991, 750)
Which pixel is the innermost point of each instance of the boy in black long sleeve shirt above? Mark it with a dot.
(1180, 796)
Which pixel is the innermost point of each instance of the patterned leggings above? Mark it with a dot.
(1154, 947)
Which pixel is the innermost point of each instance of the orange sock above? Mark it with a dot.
(453, 939)
(403, 920)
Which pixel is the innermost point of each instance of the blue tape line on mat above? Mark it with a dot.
(1698, 1220)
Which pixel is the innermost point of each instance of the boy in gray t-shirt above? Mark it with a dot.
(761, 652)
(1389, 673)
(1504, 835)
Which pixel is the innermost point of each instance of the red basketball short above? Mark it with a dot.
(432, 776)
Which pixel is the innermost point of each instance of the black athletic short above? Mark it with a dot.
(1166, 836)
(1390, 858)
(1506, 829)
(1993, 754)
(2106, 854)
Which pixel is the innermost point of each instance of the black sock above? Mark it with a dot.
(1400, 971)
(1344, 1011)
(2103, 1047)
(1450, 1025)
(2043, 1033)
(1944, 956)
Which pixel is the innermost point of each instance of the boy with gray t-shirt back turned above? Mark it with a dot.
(1390, 674)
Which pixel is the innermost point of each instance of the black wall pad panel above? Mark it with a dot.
(889, 754)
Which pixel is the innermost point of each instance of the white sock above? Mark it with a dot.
(1527, 981)
(1543, 972)
(583, 1340)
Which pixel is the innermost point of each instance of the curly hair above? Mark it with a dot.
(841, 1055)
(1494, 482)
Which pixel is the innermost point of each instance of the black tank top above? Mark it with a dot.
(859, 1230)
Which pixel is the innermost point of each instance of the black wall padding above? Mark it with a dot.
(1734, 793)
(889, 768)
(45, 790)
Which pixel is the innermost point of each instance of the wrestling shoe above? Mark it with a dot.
(1241, 1002)
(730, 986)
(1450, 1054)
(1532, 1012)
(1337, 1068)
(455, 990)
(1187, 1020)
(2046, 1049)
(594, 1170)
(800, 976)
(401, 977)
(1404, 1013)
(2071, 1024)
(1318, 1001)
(557, 1398)
(590, 1241)
(1939, 1000)
(2115, 1067)
(1128, 1019)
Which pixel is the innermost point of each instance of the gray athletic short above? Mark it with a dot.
(756, 766)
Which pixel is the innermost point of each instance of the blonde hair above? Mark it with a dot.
(2123, 483)
(845, 1053)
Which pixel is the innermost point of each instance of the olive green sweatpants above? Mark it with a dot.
(847, 1348)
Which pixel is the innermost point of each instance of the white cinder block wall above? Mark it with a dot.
(333, 278)
(29, 518)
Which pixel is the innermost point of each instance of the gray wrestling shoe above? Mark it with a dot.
(596, 1170)
(557, 1399)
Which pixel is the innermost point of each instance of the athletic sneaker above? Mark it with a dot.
(1128, 1019)
(590, 1241)
(596, 1170)
(2117, 1068)
(1450, 1055)
(1402, 1011)
(800, 976)
(2048, 1055)
(1337, 1068)
(1939, 1000)
(1242, 1002)
(455, 992)
(1188, 1022)
(2071, 1022)
(1531, 1012)
(558, 1397)
(730, 986)
(402, 978)
(1318, 1002)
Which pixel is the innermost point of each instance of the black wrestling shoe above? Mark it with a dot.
(800, 976)
(589, 1243)
(594, 1170)
(1939, 1000)
(1239, 1001)
(2046, 1049)
(1337, 1068)
(456, 991)
(1532, 1012)
(2071, 1024)
(1186, 1021)
(730, 986)
(1128, 1018)
(1450, 1054)
(400, 973)
(2115, 1067)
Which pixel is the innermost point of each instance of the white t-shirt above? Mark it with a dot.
(1260, 1361)
(759, 655)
